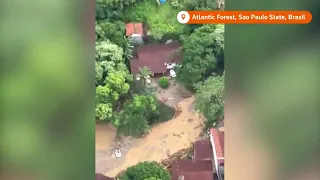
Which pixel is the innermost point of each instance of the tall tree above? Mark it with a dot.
(210, 99)
(133, 119)
(201, 49)
(112, 79)
(144, 73)
(111, 9)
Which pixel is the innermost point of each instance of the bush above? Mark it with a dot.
(166, 113)
(146, 170)
(133, 118)
(163, 82)
(163, 114)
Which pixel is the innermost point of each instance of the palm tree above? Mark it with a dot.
(128, 48)
(144, 73)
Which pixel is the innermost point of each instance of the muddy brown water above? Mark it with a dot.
(164, 139)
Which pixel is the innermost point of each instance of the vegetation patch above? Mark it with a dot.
(146, 171)
(160, 20)
(140, 113)
(166, 112)
(210, 99)
(163, 82)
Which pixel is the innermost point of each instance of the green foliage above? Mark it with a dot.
(139, 12)
(116, 82)
(104, 111)
(107, 51)
(152, 178)
(210, 99)
(99, 72)
(165, 113)
(133, 119)
(179, 4)
(200, 51)
(146, 171)
(110, 58)
(111, 9)
(163, 82)
(102, 95)
(164, 21)
(127, 49)
(200, 5)
(112, 79)
(113, 31)
(144, 73)
(159, 20)
(109, 94)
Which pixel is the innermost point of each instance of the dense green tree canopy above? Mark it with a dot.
(200, 50)
(200, 4)
(152, 178)
(111, 9)
(134, 118)
(210, 99)
(112, 77)
(146, 171)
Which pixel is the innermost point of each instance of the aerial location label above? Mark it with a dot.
(244, 17)
(183, 17)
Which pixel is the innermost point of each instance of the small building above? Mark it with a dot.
(186, 169)
(135, 32)
(217, 141)
(156, 57)
(207, 162)
(202, 150)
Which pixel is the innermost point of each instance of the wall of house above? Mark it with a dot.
(214, 152)
(136, 38)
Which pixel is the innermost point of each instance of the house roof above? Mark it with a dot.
(134, 28)
(191, 168)
(103, 177)
(154, 57)
(218, 138)
(135, 65)
(202, 150)
(203, 175)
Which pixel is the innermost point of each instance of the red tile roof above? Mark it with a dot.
(201, 175)
(191, 168)
(103, 177)
(134, 28)
(218, 138)
(154, 57)
(202, 150)
(134, 65)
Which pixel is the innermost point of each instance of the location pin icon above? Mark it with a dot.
(183, 16)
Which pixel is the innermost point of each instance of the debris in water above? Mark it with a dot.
(117, 153)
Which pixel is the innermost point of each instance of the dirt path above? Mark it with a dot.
(164, 139)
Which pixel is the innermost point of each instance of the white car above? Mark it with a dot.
(170, 65)
(172, 73)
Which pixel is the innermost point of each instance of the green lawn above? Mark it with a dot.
(160, 20)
